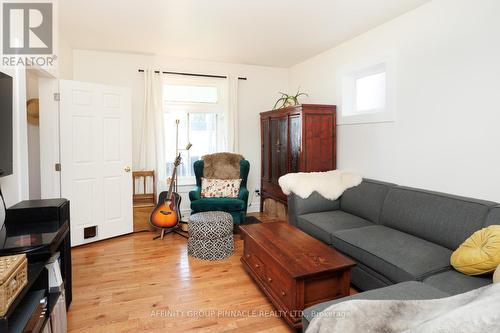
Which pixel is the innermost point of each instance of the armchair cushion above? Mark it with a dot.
(218, 204)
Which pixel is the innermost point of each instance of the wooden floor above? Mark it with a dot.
(135, 284)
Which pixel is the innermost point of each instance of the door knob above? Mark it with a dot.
(127, 169)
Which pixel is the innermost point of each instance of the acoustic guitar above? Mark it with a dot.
(167, 213)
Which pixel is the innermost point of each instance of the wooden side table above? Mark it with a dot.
(144, 199)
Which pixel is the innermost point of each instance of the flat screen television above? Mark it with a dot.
(6, 137)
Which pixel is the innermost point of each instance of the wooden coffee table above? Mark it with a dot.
(293, 269)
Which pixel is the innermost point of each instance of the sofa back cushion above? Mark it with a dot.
(440, 218)
(314, 204)
(366, 199)
(493, 217)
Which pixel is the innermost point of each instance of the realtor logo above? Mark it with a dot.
(27, 28)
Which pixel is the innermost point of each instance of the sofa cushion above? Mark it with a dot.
(366, 199)
(402, 291)
(439, 218)
(213, 204)
(364, 278)
(313, 204)
(493, 217)
(394, 254)
(453, 282)
(322, 225)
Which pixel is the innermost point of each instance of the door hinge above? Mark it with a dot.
(58, 167)
(57, 97)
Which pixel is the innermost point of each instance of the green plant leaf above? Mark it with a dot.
(281, 99)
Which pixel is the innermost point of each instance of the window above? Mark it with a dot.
(198, 105)
(366, 95)
(370, 93)
(190, 94)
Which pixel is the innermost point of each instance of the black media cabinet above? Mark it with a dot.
(38, 228)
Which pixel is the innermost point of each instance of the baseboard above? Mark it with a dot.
(254, 207)
(185, 213)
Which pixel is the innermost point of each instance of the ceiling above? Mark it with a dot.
(260, 32)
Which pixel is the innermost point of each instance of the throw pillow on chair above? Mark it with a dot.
(220, 188)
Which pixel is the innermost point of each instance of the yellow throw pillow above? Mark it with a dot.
(496, 275)
(480, 253)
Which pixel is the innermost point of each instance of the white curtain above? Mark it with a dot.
(152, 149)
(232, 115)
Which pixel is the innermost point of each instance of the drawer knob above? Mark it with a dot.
(257, 265)
(269, 279)
(283, 293)
(248, 256)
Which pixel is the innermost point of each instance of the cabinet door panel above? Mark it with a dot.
(275, 145)
(266, 165)
(283, 146)
(295, 142)
(319, 141)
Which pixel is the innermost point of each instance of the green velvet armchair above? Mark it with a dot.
(237, 207)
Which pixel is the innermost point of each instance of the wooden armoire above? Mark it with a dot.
(296, 139)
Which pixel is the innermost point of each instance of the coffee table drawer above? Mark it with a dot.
(281, 286)
(272, 274)
(251, 257)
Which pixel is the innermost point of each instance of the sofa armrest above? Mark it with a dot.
(195, 194)
(315, 203)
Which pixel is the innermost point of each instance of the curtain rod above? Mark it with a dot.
(194, 74)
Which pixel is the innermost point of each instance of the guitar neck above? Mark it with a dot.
(171, 187)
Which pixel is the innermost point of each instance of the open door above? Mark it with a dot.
(96, 158)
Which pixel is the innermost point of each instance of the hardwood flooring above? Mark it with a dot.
(135, 284)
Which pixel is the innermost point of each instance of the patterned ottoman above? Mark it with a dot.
(210, 235)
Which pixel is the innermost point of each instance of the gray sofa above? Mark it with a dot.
(401, 238)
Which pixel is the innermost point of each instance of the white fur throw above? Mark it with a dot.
(476, 311)
(330, 184)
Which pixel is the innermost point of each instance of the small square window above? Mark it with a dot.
(367, 94)
(371, 93)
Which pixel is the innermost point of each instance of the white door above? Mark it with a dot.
(96, 158)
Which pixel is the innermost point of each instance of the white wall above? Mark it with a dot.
(15, 187)
(65, 58)
(256, 95)
(446, 136)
